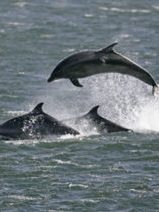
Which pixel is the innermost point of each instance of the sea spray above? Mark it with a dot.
(147, 116)
(122, 99)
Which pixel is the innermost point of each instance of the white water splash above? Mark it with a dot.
(126, 101)
(123, 100)
(147, 116)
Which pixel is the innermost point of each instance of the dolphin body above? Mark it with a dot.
(35, 124)
(106, 60)
(95, 121)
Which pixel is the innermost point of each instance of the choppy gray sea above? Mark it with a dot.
(111, 172)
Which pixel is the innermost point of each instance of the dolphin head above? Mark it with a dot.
(57, 72)
(53, 77)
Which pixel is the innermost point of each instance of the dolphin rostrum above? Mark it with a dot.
(35, 124)
(106, 60)
(93, 120)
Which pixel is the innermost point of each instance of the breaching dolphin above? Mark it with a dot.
(93, 120)
(106, 60)
(35, 124)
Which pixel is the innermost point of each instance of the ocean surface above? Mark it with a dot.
(91, 172)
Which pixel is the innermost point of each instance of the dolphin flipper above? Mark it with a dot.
(76, 82)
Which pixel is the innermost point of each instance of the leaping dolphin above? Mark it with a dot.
(35, 124)
(94, 120)
(106, 60)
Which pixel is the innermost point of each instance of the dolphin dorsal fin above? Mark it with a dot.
(109, 48)
(93, 111)
(38, 108)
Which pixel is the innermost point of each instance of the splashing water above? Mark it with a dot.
(129, 102)
(148, 116)
(123, 99)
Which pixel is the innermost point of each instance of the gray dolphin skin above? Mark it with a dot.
(106, 60)
(35, 124)
(101, 124)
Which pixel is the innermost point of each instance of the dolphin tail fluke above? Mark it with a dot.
(76, 82)
(155, 90)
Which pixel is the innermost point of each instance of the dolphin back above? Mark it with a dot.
(35, 124)
(101, 124)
